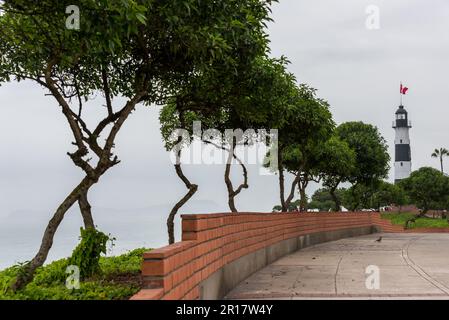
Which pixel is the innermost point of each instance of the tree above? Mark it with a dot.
(426, 187)
(72, 65)
(360, 196)
(139, 51)
(323, 200)
(172, 120)
(374, 196)
(293, 206)
(371, 158)
(302, 163)
(337, 165)
(440, 153)
(256, 101)
(371, 151)
(299, 150)
(211, 97)
(248, 99)
(387, 194)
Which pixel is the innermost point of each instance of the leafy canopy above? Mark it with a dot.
(428, 188)
(371, 151)
(161, 40)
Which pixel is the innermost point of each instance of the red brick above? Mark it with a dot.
(211, 241)
(148, 294)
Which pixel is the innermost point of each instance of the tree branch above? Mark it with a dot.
(107, 91)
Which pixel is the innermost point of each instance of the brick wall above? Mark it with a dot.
(385, 225)
(211, 241)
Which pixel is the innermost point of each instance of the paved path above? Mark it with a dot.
(411, 266)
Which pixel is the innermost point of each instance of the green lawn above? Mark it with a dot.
(120, 279)
(401, 218)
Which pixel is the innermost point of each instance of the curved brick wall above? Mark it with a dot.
(219, 250)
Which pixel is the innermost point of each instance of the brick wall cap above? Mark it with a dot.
(269, 214)
(170, 250)
(148, 294)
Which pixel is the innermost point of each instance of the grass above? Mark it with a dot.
(401, 219)
(120, 279)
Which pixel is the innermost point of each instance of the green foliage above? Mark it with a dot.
(52, 274)
(359, 196)
(141, 50)
(300, 143)
(337, 164)
(261, 94)
(252, 97)
(126, 263)
(128, 37)
(307, 124)
(322, 199)
(338, 161)
(292, 206)
(374, 196)
(427, 188)
(28, 42)
(328, 205)
(86, 255)
(119, 279)
(309, 113)
(371, 151)
(7, 277)
(422, 222)
(388, 194)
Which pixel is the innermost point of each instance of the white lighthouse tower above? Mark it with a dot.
(403, 156)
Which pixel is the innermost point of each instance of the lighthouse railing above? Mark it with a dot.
(394, 124)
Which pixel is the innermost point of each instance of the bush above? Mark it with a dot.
(86, 255)
(117, 278)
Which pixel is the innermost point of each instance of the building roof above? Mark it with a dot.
(401, 110)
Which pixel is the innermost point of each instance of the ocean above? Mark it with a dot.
(21, 232)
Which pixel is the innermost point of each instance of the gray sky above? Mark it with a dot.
(357, 70)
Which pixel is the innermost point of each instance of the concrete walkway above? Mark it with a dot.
(411, 266)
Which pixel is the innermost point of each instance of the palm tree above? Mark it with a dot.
(442, 152)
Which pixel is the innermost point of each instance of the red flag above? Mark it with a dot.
(403, 89)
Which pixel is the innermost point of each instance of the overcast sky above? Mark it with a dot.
(356, 69)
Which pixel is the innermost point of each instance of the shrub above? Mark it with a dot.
(86, 255)
(119, 278)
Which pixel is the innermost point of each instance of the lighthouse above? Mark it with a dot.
(403, 156)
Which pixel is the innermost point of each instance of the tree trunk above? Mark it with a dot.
(441, 161)
(80, 192)
(292, 192)
(86, 211)
(171, 217)
(282, 183)
(303, 196)
(335, 198)
(282, 190)
(231, 192)
(47, 241)
(355, 203)
(229, 187)
(303, 201)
